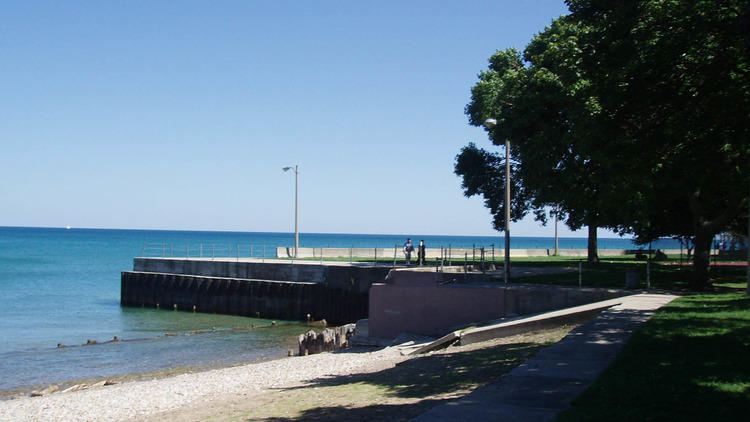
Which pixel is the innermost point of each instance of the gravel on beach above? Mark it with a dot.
(138, 400)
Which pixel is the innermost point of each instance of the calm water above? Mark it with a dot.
(63, 286)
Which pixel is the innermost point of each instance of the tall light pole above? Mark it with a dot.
(490, 124)
(296, 208)
(557, 244)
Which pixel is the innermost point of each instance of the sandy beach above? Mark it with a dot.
(139, 400)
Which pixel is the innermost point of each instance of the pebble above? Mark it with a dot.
(141, 399)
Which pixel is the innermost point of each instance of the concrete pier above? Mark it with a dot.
(416, 300)
(281, 290)
(333, 275)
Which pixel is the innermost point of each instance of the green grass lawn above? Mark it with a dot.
(691, 361)
(610, 272)
(666, 275)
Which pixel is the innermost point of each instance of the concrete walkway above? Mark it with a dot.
(545, 385)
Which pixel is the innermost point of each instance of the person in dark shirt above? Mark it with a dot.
(408, 249)
(420, 253)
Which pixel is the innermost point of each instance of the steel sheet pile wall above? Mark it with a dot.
(248, 297)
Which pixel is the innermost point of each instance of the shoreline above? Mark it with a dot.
(86, 382)
(353, 383)
(70, 379)
(139, 399)
(26, 391)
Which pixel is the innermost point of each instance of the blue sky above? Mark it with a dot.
(180, 114)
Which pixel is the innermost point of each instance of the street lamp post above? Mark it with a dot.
(296, 208)
(557, 244)
(490, 124)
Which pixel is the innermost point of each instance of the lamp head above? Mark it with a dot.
(490, 123)
(286, 168)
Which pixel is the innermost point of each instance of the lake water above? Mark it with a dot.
(63, 286)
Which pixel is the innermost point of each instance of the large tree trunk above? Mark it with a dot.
(705, 230)
(593, 254)
(701, 258)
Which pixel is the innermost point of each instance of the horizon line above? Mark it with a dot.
(306, 233)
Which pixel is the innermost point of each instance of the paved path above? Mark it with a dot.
(545, 385)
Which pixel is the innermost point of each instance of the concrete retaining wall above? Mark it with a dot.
(421, 307)
(254, 298)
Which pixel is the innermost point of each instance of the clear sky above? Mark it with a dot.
(181, 114)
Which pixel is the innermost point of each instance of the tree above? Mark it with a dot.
(559, 135)
(483, 172)
(673, 82)
(630, 115)
(541, 110)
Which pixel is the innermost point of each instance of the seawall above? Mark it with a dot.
(341, 276)
(336, 293)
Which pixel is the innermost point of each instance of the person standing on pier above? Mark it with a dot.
(408, 249)
(420, 253)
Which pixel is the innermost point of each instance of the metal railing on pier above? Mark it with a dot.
(476, 256)
(207, 250)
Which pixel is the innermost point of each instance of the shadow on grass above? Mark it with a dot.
(443, 373)
(423, 382)
(373, 413)
(611, 272)
(690, 362)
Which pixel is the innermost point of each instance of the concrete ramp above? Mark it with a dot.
(519, 325)
(540, 321)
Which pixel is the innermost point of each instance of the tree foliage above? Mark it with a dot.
(673, 78)
(483, 174)
(536, 108)
(629, 115)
